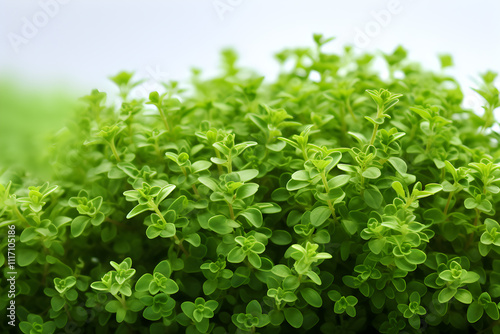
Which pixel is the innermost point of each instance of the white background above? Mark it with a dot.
(82, 42)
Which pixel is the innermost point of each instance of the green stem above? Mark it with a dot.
(157, 149)
(448, 203)
(113, 148)
(45, 267)
(121, 300)
(374, 134)
(67, 312)
(19, 215)
(229, 163)
(478, 213)
(219, 167)
(471, 235)
(231, 211)
(428, 145)
(129, 127)
(164, 118)
(348, 106)
(193, 185)
(158, 212)
(330, 204)
(362, 182)
(176, 239)
(342, 120)
(409, 202)
(304, 154)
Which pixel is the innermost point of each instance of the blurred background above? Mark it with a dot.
(54, 50)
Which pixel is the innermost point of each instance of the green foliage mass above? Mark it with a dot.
(331, 200)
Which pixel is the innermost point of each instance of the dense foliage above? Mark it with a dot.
(331, 200)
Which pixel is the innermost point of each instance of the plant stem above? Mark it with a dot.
(121, 300)
(157, 149)
(193, 185)
(176, 239)
(374, 134)
(304, 154)
(113, 148)
(348, 106)
(477, 217)
(231, 211)
(129, 127)
(45, 267)
(164, 118)
(428, 144)
(180, 245)
(229, 163)
(471, 235)
(342, 120)
(448, 203)
(219, 167)
(19, 215)
(67, 312)
(330, 204)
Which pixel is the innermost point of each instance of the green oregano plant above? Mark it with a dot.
(330, 200)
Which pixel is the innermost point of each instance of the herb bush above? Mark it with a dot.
(353, 202)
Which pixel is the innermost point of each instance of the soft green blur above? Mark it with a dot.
(28, 117)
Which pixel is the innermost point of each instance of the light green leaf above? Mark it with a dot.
(220, 224)
(312, 297)
(372, 173)
(254, 216)
(446, 294)
(78, 225)
(247, 174)
(350, 226)
(398, 164)
(492, 311)
(236, 255)
(254, 260)
(373, 198)
(463, 296)
(138, 209)
(164, 192)
(209, 286)
(194, 239)
(281, 237)
(319, 215)
(247, 190)
(474, 312)
(26, 257)
(416, 256)
(254, 308)
(209, 182)
(294, 317)
(396, 185)
(143, 282)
